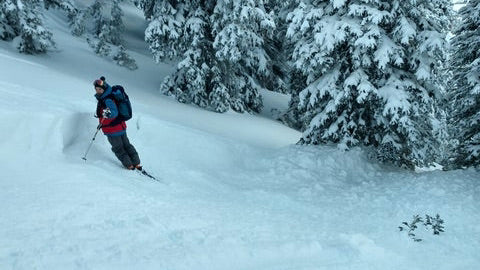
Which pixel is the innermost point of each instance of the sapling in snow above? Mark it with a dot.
(434, 223)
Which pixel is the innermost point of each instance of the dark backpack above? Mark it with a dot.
(122, 101)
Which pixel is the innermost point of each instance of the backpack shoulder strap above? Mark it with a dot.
(111, 97)
(118, 87)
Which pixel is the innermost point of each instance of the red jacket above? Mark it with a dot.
(115, 130)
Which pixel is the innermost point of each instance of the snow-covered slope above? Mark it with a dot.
(235, 192)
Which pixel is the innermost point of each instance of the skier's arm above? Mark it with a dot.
(112, 107)
(113, 120)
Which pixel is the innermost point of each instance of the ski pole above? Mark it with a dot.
(90, 145)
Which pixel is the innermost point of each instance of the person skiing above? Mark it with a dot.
(114, 126)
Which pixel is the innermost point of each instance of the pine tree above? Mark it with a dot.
(224, 50)
(219, 96)
(465, 65)
(34, 37)
(165, 32)
(122, 58)
(88, 21)
(78, 22)
(73, 14)
(371, 70)
(23, 19)
(9, 20)
(295, 80)
(425, 54)
(100, 45)
(96, 17)
(241, 29)
(66, 5)
(191, 81)
(277, 48)
(104, 34)
(98, 29)
(116, 24)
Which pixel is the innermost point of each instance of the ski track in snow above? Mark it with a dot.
(228, 200)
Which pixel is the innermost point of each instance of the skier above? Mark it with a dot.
(114, 127)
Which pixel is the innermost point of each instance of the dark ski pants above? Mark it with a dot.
(124, 150)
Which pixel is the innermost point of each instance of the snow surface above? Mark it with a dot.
(235, 191)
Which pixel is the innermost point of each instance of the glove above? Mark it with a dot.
(99, 126)
(106, 113)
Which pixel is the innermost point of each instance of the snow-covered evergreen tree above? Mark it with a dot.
(66, 5)
(100, 45)
(23, 19)
(34, 37)
(219, 96)
(78, 22)
(295, 79)
(122, 58)
(165, 32)
(466, 81)
(9, 19)
(371, 72)
(181, 30)
(241, 29)
(277, 48)
(98, 29)
(96, 18)
(191, 81)
(89, 20)
(222, 47)
(72, 12)
(116, 24)
(104, 34)
(110, 30)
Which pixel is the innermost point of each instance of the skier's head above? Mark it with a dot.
(100, 85)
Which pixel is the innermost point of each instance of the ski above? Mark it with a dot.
(142, 171)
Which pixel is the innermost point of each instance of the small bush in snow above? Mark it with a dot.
(434, 223)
